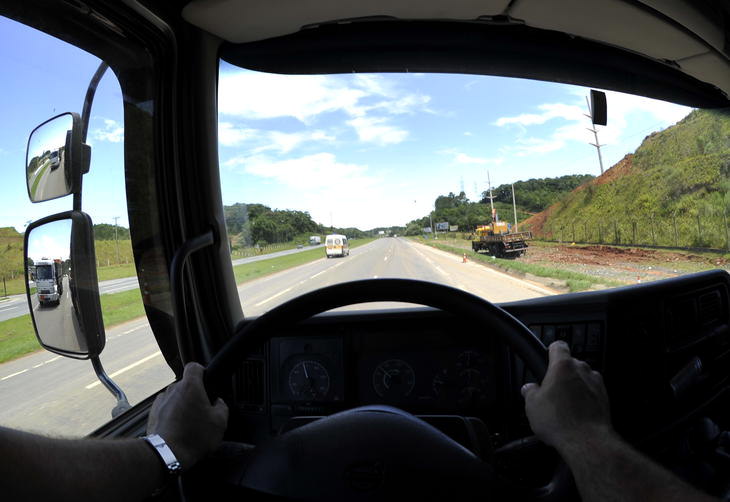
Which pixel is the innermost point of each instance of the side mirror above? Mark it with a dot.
(55, 158)
(64, 299)
(598, 108)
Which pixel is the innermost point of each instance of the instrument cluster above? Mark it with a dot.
(438, 376)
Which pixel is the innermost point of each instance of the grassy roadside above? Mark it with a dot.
(116, 272)
(250, 271)
(574, 281)
(17, 337)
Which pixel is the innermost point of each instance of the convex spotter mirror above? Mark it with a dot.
(62, 286)
(55, 158)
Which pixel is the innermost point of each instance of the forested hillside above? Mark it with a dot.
(531, 196)
(536, 195)
(257, 224)
(674, 190)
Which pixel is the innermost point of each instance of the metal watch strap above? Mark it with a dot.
(172, 464)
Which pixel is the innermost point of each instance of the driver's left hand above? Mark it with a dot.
(185, 419)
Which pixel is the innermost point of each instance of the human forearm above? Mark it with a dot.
(608, 469)
(107, 470)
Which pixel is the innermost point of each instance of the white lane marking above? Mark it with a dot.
(117, 290)
(318, 274)
(126, 368)
(52, 359)
(14, 374)
(490, 270)
(38, 365)
(134, 329)
(272, 297)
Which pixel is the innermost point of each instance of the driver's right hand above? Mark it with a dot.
(570, 404)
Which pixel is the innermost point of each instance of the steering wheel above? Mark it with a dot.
(373, 452)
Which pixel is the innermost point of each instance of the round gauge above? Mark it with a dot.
(309, 380)
(470, 366)
(464, 382)
(394, 378)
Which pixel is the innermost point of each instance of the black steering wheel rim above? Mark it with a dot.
(510, 330)
(481, 312)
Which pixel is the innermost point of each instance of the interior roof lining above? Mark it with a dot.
(457, 47)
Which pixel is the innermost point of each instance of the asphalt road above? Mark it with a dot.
(52, 182)
(56, 395)
(17, 305)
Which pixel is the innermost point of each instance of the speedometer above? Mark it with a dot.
(309, 380)
(394, 378)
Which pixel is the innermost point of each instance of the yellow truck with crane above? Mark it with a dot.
(497, 239)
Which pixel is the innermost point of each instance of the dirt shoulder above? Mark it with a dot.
(628, 265)
(621, 264)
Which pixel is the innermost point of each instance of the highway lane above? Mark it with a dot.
(62, 396)
(251, 259)
(14, 306)
(48, 182)
(17, 305)
(387, 257)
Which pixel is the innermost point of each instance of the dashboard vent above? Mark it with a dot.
(251, 385)
(710, 308)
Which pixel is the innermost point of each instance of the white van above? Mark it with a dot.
(336, 245)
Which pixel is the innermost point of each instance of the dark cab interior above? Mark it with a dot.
(662, 347)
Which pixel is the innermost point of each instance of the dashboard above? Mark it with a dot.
(663, 349)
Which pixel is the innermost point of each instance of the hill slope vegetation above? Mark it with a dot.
(674, 191)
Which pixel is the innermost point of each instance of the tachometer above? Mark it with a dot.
(309, 380)
(465, 382)
(394, 378)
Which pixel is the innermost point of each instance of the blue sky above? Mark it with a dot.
(353, 150)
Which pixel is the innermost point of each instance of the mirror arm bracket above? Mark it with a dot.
(117, 392)
(89, 99)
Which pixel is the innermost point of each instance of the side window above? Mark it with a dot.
(41, 391)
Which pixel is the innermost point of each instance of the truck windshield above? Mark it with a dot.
(43, 272)
(488, 184)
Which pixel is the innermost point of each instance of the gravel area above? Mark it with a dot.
(622, 264)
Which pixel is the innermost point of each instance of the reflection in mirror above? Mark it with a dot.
(48, 167)
(53, 296)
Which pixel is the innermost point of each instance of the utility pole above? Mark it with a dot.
(116, 237)
(514, 205)
(491, 198)
(595, 134)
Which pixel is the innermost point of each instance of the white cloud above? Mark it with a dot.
(230, 135)
(261, 141)
(286, 142)
(467, 133)
(621, 107)
(261, 96)
(255, 95)
(549, 111)
(465, 159)
(321, 172)
(377, 130)
(462, 158)
(112, 132)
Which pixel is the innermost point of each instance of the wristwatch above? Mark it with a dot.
(172, 464)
